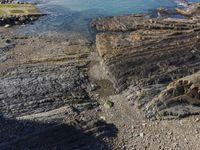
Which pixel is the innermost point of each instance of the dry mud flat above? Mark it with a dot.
(53, 89)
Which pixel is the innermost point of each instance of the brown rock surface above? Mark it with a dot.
(192, 9)
(145, 53)
(181, 98)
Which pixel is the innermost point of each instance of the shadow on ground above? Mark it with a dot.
(27, 135)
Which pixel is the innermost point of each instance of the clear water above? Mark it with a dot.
(75, 15)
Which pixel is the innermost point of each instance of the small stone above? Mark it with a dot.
(142, 135)
(108, 104)
(133, 127)
(170, 133)
(197, 120)
(144, 124)
(93, 87)
(196, 131)
(7, 26)
(103, 118)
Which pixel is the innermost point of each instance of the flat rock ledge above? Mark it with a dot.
(31, 89)
(18, 13)
(141, 55)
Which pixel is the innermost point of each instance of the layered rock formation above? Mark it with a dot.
(35, 89)
(192, 9)
(181, 98)
(46, 98)
(139, 51)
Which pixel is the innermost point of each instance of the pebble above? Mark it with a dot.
(144, 124)
(108, 104)
(169, 133)
(93, 87)
(7, 26)
(196, 131)
(197, 120)
(142, 135)
(103, 118)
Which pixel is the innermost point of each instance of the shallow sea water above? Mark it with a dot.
(74, 15)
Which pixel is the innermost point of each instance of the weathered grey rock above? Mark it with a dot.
(46, 99)
(30, 89)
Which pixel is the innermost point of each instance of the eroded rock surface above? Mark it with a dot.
(181, 98)
(140, 53)
(192, 9)
(40, 88)
(46, 98)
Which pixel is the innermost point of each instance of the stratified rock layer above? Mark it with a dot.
(181, 98)
(139, 51)
(192, 9)
(46, 99)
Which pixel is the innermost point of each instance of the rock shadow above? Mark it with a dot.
(28, 135)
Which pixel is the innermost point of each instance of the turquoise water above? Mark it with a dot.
(75, 15)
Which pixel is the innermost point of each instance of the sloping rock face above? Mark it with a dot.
(140, 52)
(181, 98)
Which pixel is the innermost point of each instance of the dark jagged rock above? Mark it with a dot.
(139, 52)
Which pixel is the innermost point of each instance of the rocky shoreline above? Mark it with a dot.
(140, 52)
(126, 91)
(12, 19)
